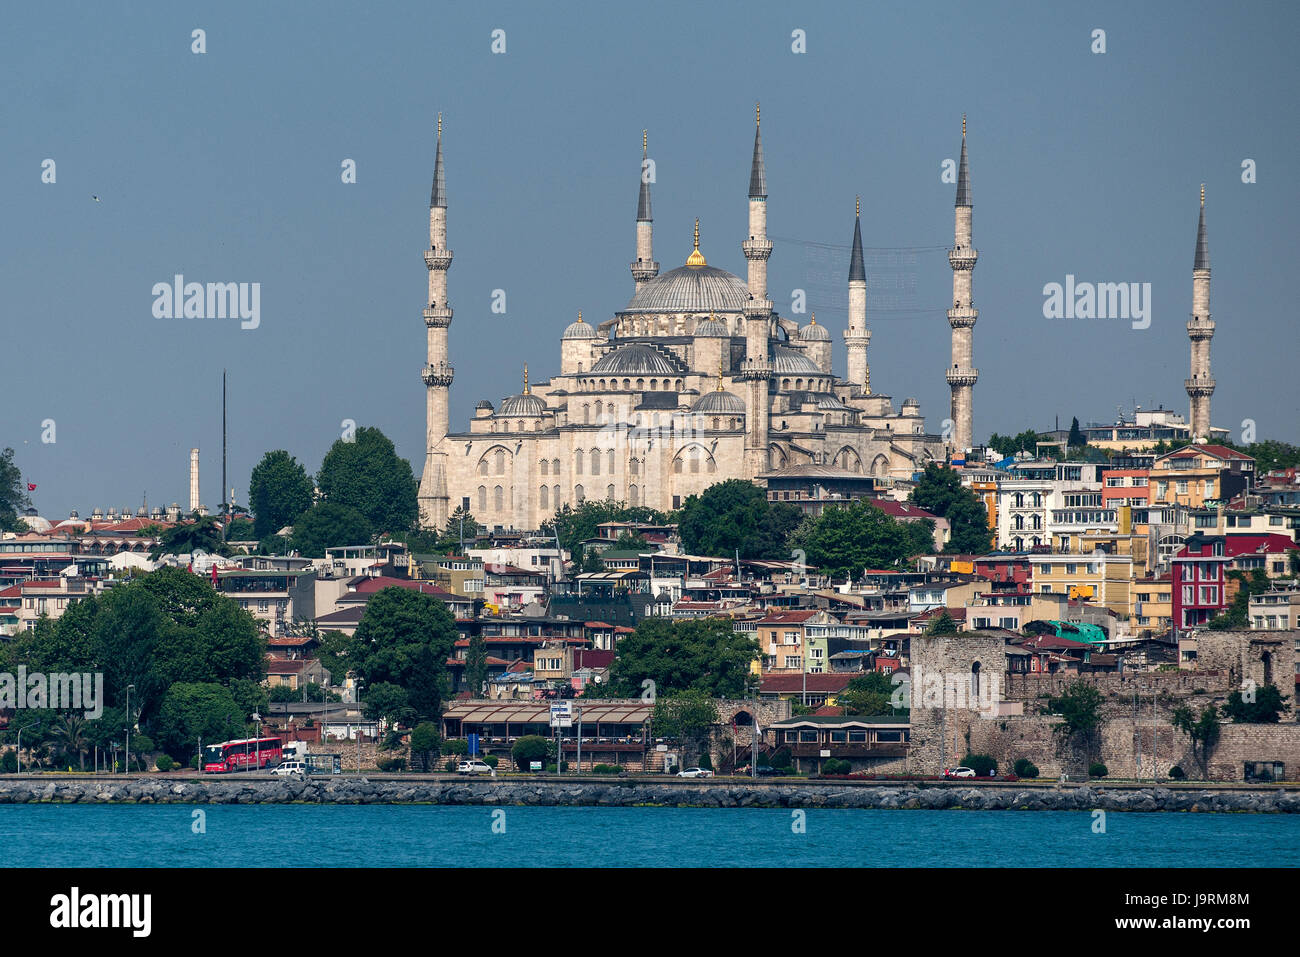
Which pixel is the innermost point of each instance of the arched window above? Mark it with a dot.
(634, 466)
(577, 462)
(482, 467)
(974, 683)
(546, 465)
(1037, 500)
(556, 490)
(544, 497)
(611, 461)
(1020, 523)
(1020, 500)
(500, 462)
(586, 414)
(626, 385)
(634, 495)
(555, 467)
(482, 498)
(578, 494)
(1038, 522)
(498, 498)
(677, 465)
(695, 461)
(595, 461)
(609, 492)
(679, 385)
(599, 410)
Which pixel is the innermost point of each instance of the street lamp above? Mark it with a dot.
(358, 728)
(257, 743)
(129, 689)
(19, 749)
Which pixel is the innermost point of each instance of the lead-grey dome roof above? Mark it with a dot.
(637, 359)
(814, 333)
(526, 404)
(712, 328)
(829, 403)
(579, 330)
(691, 289)
(719, 402)
(787, 361)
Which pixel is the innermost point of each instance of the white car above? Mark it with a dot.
(695, 773)
(474, 767)
(960, 773)
(291, 768)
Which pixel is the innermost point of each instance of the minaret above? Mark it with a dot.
(433, 498)
(645, 268)
(962, 315)
(856, 336)
(1200, 329)
(756, 370)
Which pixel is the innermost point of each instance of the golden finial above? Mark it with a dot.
(813, 320)
(720, 373)
(963, 126)
(696, 258)
(758, 116)
(526, 392)
(858, 211)
(439, 126)
(1202, 194)
(579, 319)
(645, 141)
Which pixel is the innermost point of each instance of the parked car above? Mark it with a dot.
(695, 773)
(474, 767)
(959, 773)
(291, 769)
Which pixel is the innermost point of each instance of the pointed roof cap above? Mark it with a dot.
(857, 269)
(963, 171)
(696, 258)
(757, 172)
(438, 197)
(643, 200)
(1202, 239)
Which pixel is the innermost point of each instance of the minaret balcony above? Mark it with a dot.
(437, 316)
(960, 378)
(438, 258)
(962, 317)
(757, 248)
(757, 308)
(1200, 329)
(1199, 387)
(962, 258)
(440, 375)
(643, 270)
(751, 369)
(855, 337)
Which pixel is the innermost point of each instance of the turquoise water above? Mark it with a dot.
(53, 835)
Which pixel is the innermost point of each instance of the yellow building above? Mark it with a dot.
(1098, 578)
(1197, 474)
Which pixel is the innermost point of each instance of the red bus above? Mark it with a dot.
(245, 754)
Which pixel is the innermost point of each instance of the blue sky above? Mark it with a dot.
(225, 166)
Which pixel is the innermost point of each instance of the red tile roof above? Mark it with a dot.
(820, 684)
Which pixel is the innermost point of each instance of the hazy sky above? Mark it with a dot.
(226, 167)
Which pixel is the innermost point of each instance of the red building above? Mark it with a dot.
(1199, 576)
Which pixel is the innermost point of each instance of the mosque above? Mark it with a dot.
(696, 380)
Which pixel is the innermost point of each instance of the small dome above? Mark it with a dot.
(712, 328)
(787, 361)
(828, 403)
(814, 333)
(524, 405)
(636, 359)
(484, 404)
(691, 289)
(719, 402)
(579, 330)
(37, 524)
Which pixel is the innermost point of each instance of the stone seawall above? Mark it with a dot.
(636, 793)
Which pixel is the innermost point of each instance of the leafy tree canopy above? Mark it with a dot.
(869, 693)
(367, 475)
(846, 539)
(735, 515)
(574, 525)
(191, 710)
(201, 534)
(279, 490)
(405, 638)
(13, 494)
(703, 654)
(1265, 709)
(939, 490)
(329, 525)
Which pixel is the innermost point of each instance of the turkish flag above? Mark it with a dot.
(31, 487)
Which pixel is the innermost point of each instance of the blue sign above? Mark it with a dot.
(473, 744)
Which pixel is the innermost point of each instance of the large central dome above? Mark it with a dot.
(687, 289)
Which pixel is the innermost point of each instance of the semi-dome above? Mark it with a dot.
(829, 403)
(525, 404)
(579, 330)
(787, 361)
(719, 402)
(813, 332)
(711, 328)
(637, 359)
(687, 289)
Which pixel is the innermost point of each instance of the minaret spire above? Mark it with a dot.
(1200, 330)
(757, 170)
(856, 336)
(756, 368)
(645, 268)
(437, 374)
(961, 317)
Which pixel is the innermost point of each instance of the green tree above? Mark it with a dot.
(476, 670)
(1203, 732)
(942, 624)
(200, 534)
(1076, 438)
(425, 742)
(279, 490)
(686, 716)
(387, 702)
(1266, 706)
(338, 654)
(846, 539)
(868, 694)
(240, 530)
(329, 525)
(70, 731)
(1236, 616)
(529, 748)
(191, 710)
(698, 654)
(461, 523)
(735, 515)
(367, 475)
(939, 490)
(575, 525)
(14, 500)
(1080, 708)
(405, 637)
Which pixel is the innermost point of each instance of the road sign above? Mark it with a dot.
(561, 714)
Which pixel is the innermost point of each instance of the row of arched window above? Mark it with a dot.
(631, 385)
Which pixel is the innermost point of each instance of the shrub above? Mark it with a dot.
(194, 763)
(529, 748)
(981, 764)
(706, 762)
(607, 769)
(9, 763)
(836, 766)
(1026, 769)
(781, 758)
(165, 763)
(391, 764)
(491, 760)
(450, 765)
(1177, 773)
(457, 746)
(1097, 770)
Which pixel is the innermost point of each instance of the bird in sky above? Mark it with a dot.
(96, 199)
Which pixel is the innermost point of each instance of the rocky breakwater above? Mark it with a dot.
(334, 790)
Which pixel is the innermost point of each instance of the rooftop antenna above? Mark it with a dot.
(225, 509)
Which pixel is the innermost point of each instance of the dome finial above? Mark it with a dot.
(696, 258)
(1202, 194)
(758, 116)
(857, 208)
(813, 320)
(526, 389)
(580, 315)
(645, 141)
(963, 126)
(439, 126)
